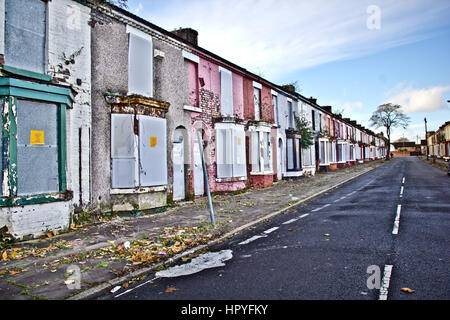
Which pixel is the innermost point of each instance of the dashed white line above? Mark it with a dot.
(401, 192)
(403, 181)
(270, 230)
(290, 221)
(252, 239)
(327, 205)
(320, 208)
(385, 282)
(397, 220)
(304, 215)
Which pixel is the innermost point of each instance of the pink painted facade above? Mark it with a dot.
(205, 94)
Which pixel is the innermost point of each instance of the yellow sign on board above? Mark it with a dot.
(37, 137)
(239, 141)
(153, 142)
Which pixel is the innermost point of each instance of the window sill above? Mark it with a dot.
(263, 173)
(138, 190)
(26, 73)
(234, 179)
(36, 199)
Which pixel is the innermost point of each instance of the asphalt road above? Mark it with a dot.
(322, 249)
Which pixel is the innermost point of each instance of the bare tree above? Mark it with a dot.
(389, 116)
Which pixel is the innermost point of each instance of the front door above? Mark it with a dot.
(198, 169)
(280, 160)
(178, 166)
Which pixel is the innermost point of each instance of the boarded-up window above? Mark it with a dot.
(275, 108)
(140, 65)
(226, 92)
(224, 153)
(290, 115)
(266, 151)
(257, 99)
(37, 147)
(239, 162)
(230, 145)
(290, 154)
(123, 151)
(255, 152)
(152, 151)
(138, 160)
(25, 26)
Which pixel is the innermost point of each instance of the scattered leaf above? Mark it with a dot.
(125, 285)
(326, 234)
(69, 281)
(53, 270)
(13, 272)
(408, 290)
(171, 289)
(290, 229)
(4, 255)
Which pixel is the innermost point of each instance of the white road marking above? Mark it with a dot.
(270, 230)
(342, 198)
(252, 239)
(304, 215)
(336, 200)
(401, 192)
(351, 193)
(397, 220)
(385, 282)
(403, 181)
(320, 208)
(290, 221)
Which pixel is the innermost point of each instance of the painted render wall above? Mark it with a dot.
(67, 32)
(110, 74)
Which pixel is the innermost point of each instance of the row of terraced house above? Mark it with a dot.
(438, 142)
(104, 111)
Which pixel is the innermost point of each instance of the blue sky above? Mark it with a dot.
(353, 55)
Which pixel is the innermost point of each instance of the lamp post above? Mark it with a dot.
(426, 138)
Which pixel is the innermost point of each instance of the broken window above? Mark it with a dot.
(226, 92)
(25, 28)
(138, 160)
(140, 65)
(293, 154)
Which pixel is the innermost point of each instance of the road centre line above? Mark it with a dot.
(290, 221)
(304, 215)
(252, 239)
(270, 230)
(403, 181)
(401, 192)
(397, 220)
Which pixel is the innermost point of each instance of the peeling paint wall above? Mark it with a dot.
(68, 59)
(110, 74)
(69, 34)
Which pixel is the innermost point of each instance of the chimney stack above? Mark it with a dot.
(188, 34)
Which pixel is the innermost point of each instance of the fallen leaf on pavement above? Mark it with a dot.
(408, 290)
(70, 281)
(125, 285)
(326, 234)
(4, 255)
(13, 272)
(290, 229)
(171, 289)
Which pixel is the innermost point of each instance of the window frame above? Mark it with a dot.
(10, 91)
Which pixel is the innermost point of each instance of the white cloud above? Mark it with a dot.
(421, 100)
(275, 37)
(138, 9)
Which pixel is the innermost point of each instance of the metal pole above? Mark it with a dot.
(205, 176)
(426, 138)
